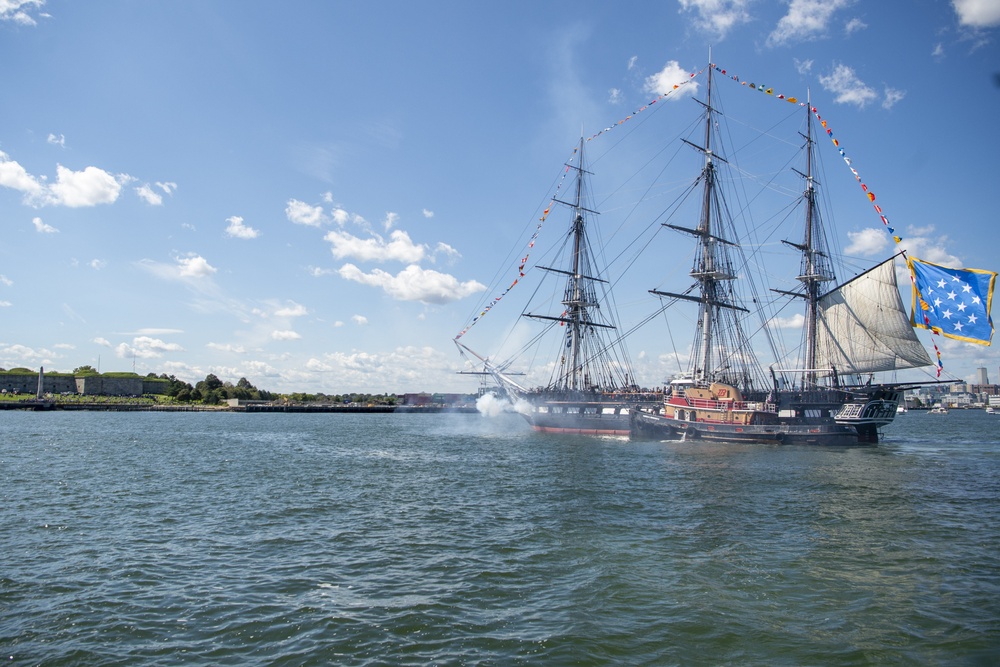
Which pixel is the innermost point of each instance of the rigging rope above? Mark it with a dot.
(768, 90)
(554, 198)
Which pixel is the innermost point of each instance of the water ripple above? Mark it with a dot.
(431, 539)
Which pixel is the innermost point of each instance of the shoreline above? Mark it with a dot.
(47, 406)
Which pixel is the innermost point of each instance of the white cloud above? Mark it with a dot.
(717, 17)
(89, 187)
(390, 220)
(75, 189)
(922, 242)
(227, 347)
(97, 264)
(854, 25)
(43, 228)
(977, 13)
(5, 304)
(148, 195)
(285, 335)
(237, 229)
(414, 284)
(796, 321)
(667, 78)
(17, 11)
(101, 341)
(447, 250)
(892, 96)
(411, 366)
(867, 242)
(400, 248)
(302, 213)
(292, 310)
(24, 353)
(146, 347)
(340, 216)
(14, 176)
(57, 141)
(924, 230)
(167, 187)
(847, 87)
(5, 281)
(360, 320)
(194, 266)
(428, 213)
(615, 95)
(806, 19)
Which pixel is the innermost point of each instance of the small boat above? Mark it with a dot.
(990, 410)
(938, 410)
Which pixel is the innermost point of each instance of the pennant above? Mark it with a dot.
(955, 302)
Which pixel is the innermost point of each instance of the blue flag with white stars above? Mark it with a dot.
(952, 302)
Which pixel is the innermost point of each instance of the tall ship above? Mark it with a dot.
(589, 387)
(820, 390)
(850, 332)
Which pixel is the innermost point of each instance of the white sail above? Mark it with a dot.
(863, 327)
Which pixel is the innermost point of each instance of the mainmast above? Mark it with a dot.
(711, 265)
(719, 344)
(704, 272)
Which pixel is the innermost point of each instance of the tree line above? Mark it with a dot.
(212, 390)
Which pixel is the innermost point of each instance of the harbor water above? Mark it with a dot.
(461, 539)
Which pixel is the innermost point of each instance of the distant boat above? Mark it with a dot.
(901, 409)
(938, 410)
(990, 410)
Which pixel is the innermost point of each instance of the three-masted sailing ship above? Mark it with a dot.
(851, 331)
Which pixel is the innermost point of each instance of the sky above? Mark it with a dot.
(317, 196)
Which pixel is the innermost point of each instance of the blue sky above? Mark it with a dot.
(318, 195)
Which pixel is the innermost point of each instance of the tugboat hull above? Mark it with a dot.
(646, 425)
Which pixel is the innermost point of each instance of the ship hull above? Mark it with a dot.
(584, 414)
(647, 425)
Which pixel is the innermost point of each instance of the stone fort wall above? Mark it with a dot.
(88, 385)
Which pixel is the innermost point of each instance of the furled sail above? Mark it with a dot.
(863, 327)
